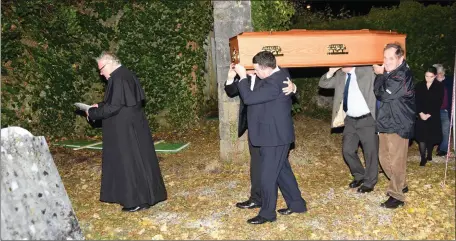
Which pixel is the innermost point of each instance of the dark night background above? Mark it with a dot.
(356, 8)
(361, 7)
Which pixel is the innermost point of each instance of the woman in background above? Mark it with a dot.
(428, 129)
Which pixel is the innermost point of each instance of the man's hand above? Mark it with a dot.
(231, 72)
(240, 70)
(331, 72)
(378, 69)
(424, 116)
(334, 70)
(95, 105)
(291, 88)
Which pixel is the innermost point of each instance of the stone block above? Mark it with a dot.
(233, 113)
(230, 19)
(34, 203)
(222, 75)
(221, 5)
(231, 151)
(224, 131)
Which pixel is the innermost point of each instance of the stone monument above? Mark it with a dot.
(34, 203)
(230, 19)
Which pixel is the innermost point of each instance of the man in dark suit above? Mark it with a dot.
(232, 91)
(271, 128)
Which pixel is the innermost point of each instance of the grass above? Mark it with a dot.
(202, 193)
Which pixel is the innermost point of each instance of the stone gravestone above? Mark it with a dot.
(34, 203)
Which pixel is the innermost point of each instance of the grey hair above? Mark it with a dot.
(439, 68)
(108, 57)
(397, 46)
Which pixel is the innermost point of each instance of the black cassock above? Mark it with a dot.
(131, 174)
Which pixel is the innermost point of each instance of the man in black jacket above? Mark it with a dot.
(231, 89)
(396, 116)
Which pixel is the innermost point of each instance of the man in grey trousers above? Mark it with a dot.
(354, 107)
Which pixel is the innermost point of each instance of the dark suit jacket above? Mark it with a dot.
(232, 91)
(270, 122)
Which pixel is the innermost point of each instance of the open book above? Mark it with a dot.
(82, 106)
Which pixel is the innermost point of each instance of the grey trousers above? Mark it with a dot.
(356, 131)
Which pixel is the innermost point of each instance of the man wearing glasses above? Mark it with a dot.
(131, 175)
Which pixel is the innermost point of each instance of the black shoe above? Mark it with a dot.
(392, 203)
(405, 189)
(259, 220)
(364, 189)
(248, 205)
(355, 184)
(441, 153)
(137, 208)
(423, 162)
(288, 211)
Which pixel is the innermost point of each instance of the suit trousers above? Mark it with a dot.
(393, 151)
(445, 121)
(356, 131)
(255, 173)
(276, 173)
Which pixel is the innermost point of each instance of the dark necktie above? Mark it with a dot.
(347, 84)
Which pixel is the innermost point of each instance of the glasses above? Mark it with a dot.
(102, 67)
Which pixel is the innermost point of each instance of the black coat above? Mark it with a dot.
(429, 101)
(269, 117)
(131, 175)
(396, 93)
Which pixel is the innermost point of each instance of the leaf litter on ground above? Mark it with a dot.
(202, 192)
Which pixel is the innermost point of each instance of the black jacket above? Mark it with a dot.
(232, 91)
(269, 116)
(396, 93)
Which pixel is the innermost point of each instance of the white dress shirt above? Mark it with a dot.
(356, 104)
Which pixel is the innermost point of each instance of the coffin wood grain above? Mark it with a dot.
(309, 48)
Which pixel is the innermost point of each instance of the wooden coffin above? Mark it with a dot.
(314, 48)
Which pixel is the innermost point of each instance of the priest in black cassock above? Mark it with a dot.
(131, 174)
